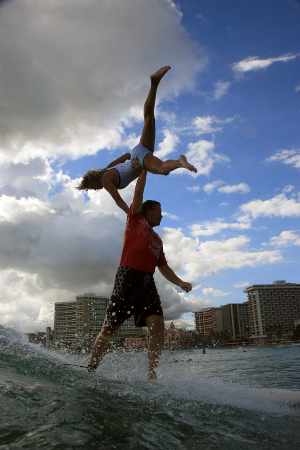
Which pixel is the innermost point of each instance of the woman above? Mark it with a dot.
(127, 168)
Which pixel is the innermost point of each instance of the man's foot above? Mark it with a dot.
(183, 163)
(91, 368)
(152, 375)
(157, 76)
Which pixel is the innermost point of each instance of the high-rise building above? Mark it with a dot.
(208, 319)
(90, 313)
(77, 324)
(244, 320)
(273, 310)
(65, 323)
(129, 329)
(236, 320)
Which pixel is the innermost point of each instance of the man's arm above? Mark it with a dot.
(168, 273)
(137, 202)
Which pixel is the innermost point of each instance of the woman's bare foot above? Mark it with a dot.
(157, 76)
(183, 163)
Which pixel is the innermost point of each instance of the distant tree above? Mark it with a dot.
(296, 334)
(269, 332)
(278, 331)
(196, 339)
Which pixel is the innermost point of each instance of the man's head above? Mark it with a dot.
(152, 212)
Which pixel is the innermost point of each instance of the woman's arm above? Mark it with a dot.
(120, 160)
(113, 191)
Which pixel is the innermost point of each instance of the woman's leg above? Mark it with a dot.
(148, 133)
(152, 163)
(155, 165)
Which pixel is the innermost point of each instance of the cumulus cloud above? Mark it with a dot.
(241, 187)
(210, 187)
(228, 189)
(215, 292)
(170, 216)
(30, 209)
(291, 157)
(221, 88)
(175, 302)
(209, 124)
(254, 63)
(241, 285)
(209, 228)
(297, 89)
(168, 145)
(279, 206)
(285, 239)
(194, 188)
(62, 89)
(194, 258)
(202, 155)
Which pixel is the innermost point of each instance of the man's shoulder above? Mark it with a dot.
(132, 217)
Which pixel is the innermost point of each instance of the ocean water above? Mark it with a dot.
(225, 399)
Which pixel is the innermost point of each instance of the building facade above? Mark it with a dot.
(65, 323)
(273, 310)
(209, 319)
(90, 313)
(236, 320)
(174, 338)
(77, 324)
(244, 320)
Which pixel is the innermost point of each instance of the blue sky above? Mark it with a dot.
(74, 77)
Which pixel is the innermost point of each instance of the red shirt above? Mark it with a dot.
(142, 247)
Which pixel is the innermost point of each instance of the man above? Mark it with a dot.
(119, 173)
(134, 290)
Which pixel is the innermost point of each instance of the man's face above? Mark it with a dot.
(154, 216)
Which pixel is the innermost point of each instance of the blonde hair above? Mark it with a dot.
(89, 179)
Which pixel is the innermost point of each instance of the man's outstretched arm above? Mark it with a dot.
(168, 273)
(137, 202)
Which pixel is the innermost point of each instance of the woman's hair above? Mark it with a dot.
(149, 204)
(89, 179)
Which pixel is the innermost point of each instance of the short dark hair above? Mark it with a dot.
(149, 204)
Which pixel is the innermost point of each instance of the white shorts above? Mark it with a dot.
(124, 171)
(139, 152)
(125, 174)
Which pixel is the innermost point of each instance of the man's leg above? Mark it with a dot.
(102, 344)
(151, 163)
(156, 328)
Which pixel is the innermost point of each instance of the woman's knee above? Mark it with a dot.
(153, 164)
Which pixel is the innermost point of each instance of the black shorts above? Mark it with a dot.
(134, 293)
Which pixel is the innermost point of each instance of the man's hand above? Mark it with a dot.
(187, 287)
(136, 167)
(169, 274)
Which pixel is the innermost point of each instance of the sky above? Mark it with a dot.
(73, 79)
